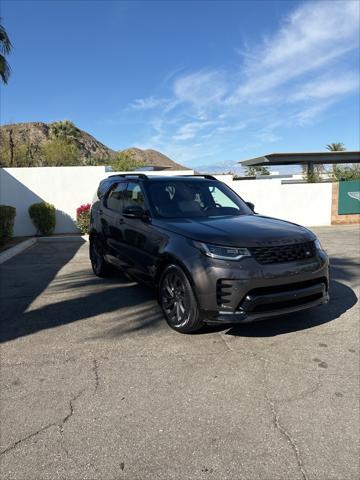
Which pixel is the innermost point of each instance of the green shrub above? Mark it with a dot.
(60, 152)
(7, 216)
(126, 161)
(348, 172)
(43, 217)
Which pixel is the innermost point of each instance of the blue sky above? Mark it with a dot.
(207, 83)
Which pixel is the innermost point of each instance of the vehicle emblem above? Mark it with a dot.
(354, 195)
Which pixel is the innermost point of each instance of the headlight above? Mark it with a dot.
(318, 245)
(222, 253)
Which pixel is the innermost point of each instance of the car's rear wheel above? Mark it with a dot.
(100, 267)
(178, 301)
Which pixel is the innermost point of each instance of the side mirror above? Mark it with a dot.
(251, 206)
(134, 211)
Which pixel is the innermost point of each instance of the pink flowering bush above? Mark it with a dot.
(83, 218)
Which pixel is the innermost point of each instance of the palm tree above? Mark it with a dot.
(64, 129)
(336, 147)
(5, 47)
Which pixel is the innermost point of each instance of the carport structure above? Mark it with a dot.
(306, 158)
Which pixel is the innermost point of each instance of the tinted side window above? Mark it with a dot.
(104, 187)
(134, 195)
(116, 197)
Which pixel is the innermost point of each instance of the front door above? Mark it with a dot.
(141, 240)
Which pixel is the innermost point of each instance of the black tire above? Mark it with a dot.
(178, 301)
(96, 249)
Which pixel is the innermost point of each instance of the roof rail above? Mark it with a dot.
(129, 175)
(209, 177)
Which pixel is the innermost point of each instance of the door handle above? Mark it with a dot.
(101, 211)
(121, 220)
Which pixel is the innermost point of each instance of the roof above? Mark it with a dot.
(143, 176)
(106, 183)
(179, 178)
(303, 158)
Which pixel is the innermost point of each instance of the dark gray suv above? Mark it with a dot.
(210, 257)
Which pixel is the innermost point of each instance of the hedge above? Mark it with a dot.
(43, 217)
(7, 216)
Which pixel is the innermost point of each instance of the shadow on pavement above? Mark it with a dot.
(346, 269)
(26, 277)
(116, 293)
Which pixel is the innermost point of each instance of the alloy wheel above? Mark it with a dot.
(175, 299)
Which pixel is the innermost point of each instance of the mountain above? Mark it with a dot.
(221, 168)
(38, 134)
(22, 144)
(153, 158)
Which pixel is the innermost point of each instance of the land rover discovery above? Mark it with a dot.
(211, 258)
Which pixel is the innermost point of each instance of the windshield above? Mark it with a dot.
(175, 199)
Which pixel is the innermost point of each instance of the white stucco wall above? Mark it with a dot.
(65, 187)
(308, 204)
(69, 187)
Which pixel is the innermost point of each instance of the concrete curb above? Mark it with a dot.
(63, 238)
(20, 247)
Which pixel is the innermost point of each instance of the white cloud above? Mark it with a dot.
(329, 86)
(189, 130)
(310, 29)
(315, 35)
(148, 103)
(231, 128)
(267, 137)
(289, 79)
(201, 89)
(309, 113)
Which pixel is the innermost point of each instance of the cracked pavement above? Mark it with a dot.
(94, 385)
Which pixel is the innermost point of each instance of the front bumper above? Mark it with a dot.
(246, 291)
(260, 306)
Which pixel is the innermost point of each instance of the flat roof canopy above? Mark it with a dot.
(303, 158)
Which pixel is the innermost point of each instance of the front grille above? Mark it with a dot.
(268, 307)
(288, 287)
(283, 253)
(267, 299)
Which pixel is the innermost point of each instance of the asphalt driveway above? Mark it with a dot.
(94, 385)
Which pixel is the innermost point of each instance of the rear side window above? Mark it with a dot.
(134, 195)
(115, 200)
(104, 187)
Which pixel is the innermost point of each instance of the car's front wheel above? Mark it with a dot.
(100, 267)
(178, 301)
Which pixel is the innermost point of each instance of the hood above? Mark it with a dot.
(238, 231)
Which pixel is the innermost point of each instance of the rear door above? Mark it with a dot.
(112, 220)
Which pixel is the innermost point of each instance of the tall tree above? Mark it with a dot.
(5, 48)
(126, 161)
(253, 171)
(344, 172)
(60, 152)
(64, 129)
